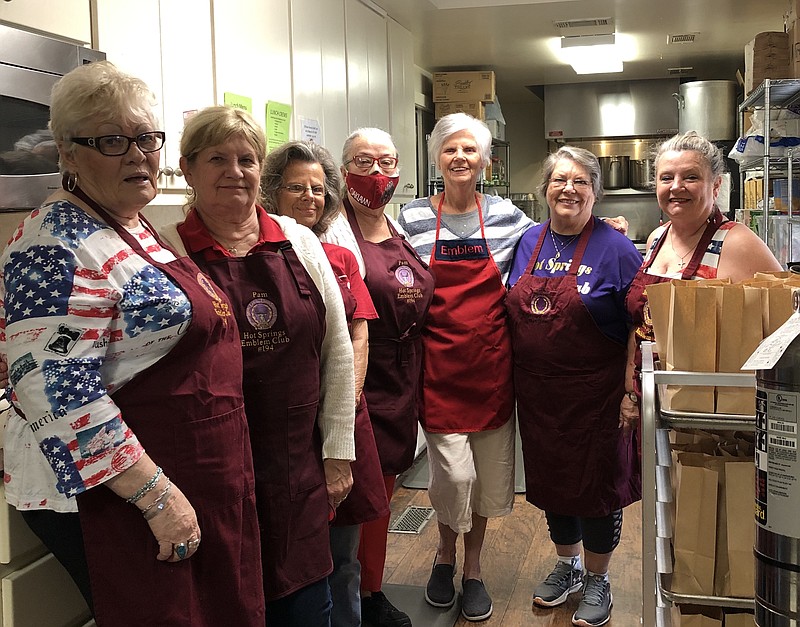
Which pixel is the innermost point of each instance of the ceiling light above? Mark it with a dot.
(592, 54)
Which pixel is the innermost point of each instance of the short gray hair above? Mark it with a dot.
(580, 156)
(94, 90)
(692, 140)
(372, 135)
(453, 123)
(306, 152)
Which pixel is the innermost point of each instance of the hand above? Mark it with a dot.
(339, 480)
(175, 524)
(628, 414)
(3, 371)
(618, 224)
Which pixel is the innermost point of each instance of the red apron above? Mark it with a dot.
(367, 499)
(187, 411)
(569, 378)
(467, 365)
(281, 319)
(401, 288)
(636, 299)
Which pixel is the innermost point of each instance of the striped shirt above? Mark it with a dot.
(503, 225)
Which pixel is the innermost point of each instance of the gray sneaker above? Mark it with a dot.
(595, 606)
(558, 585)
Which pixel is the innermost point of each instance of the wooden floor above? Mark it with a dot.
(517, 555)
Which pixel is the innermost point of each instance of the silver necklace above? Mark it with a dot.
(681, 263)
(563, 244)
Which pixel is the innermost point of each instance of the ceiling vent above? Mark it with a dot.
(687, 38)
(583, 23)
(679, 71)
(585, 26)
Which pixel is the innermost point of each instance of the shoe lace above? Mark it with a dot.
(561, 572)
(595, 593)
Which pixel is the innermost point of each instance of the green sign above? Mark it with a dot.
(279, 118)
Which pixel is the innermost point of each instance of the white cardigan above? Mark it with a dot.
(337, 385)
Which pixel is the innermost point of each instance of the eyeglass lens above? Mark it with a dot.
(365, 161)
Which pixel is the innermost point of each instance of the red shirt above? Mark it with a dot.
(344, 263)
(196, 237)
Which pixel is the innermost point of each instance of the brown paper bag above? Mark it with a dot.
(739, 332)
(773, 276)
(695, 528)
(691, 343)
(739, 498)
(776, 302)
(697, 620)
(739, 620)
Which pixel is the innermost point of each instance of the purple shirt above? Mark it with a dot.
(609, 264)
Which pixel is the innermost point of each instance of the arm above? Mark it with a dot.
(743, 254)
(51, 336)
(337, 387)
(360, 353)
(629, 410)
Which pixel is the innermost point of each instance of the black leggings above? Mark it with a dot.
(599, 535)
(61, 533)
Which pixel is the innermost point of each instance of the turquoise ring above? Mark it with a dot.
(181, 550)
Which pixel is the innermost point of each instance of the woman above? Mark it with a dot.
(124, 365)
(301, 181)
(569, 332)
(298, 361)
(468, 398)
(702, 243)
(401, 288)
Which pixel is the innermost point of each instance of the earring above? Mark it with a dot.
(72, 181)
(189, 191)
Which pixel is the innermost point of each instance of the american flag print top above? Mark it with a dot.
(82, 314)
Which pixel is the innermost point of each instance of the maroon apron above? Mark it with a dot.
(401, 288)
(281, 319)
(367, 499)
(569, 378)
(467, 363)
(187, 411)
(636, 299)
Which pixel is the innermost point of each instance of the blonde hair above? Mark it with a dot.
(97, 90)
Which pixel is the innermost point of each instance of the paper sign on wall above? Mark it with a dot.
(238, 102)
(279, 116)
(310, 130)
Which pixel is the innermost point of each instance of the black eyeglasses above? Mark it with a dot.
(364, 162)
(116, 145)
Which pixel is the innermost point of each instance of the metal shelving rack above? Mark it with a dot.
(769, 96)
(657, 597)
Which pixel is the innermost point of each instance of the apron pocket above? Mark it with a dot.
(305, 449)
(205, 474)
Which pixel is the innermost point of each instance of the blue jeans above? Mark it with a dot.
(345, 580)
(308, 607)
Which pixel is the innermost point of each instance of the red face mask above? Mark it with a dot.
(373, 190)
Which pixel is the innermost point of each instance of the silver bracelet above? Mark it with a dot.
(158, 504)
(146, 487)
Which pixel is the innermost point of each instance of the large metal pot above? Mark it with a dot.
(641, 174)
(708, 107)
(615, 171)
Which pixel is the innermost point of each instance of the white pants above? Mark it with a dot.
(471, 473)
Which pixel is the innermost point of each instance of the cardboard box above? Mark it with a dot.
(780, 189)
(474, 108)
(766, 56)
(463, 86)
(497, 128)
(794, 49)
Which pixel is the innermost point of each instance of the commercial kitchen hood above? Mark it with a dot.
(611, 109)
